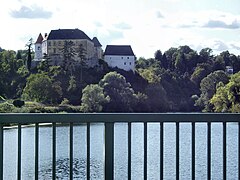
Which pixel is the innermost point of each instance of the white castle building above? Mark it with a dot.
(52, 45)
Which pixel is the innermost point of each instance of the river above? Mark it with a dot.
(120, 159)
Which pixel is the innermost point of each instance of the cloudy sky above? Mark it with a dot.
(147, 25)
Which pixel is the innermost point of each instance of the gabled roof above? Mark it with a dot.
(121, 50)
(96, 42)
(39, 39)
(67, 34)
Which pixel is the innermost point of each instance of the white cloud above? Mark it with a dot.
(33, 12)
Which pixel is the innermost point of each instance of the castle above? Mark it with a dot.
(53, 44)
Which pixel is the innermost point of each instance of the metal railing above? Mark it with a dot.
(109, 120)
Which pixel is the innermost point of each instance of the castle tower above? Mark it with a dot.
(98, 48)
(38, 48)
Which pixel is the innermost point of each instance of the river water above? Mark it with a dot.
(120, 156)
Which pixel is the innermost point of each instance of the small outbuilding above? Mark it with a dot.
(120, 56)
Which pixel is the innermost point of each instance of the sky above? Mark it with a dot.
(146, 25)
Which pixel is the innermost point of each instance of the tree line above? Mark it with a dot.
(178, 80)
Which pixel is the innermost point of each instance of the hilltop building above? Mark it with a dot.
(120, 56)
(53, 45)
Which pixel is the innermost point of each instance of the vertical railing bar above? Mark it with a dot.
(54, 151)
(161, 150)
(109, 151)
(71, 151)
(224, 150)
(238, 150)
(193, 150)
(209, 151)
(88, 151)
(177, 150)
(36, 149)
(1, 151)
(145, 150)
(129, 149)
(19, 151)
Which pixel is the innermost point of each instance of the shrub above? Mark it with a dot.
(18, 103)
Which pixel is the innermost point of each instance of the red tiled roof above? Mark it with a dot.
(39, 39)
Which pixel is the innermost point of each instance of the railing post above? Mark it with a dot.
(88, 151)
(36, 149)
(54, 151)
(19, 159)
(193, 151)
(209, 150)
(129, 150)
(1, 151)
(71, 151)
(224, 150)
(177, 151)
(145, 151)
(238, 150)
(109, 150)
(161, 150)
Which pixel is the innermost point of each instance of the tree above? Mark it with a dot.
(81, 54)
(93, 98)
(227, 97)
(208, 88)
(29, 53)
(9, 77)
(44, 65)
(157, 98)
(201, 71)
(68, 56)
(171, 57)
(158, 55)
(219, 63)
(206, 55)
(122, 97)
(41, 88)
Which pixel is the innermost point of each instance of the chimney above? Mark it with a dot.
(45, 35)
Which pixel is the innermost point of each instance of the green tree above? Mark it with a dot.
(219, 63)
(44, 65)
(10, 79)
(81, 54)
(206, 55)
(68, 56)
(41, 88)
(227, 97)
(201, 71)
(158, 55)
(157, 98)
(208, 88)
(122, 97)
(93, 98)
(29, 53)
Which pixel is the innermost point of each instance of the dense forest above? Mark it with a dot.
(178, 80)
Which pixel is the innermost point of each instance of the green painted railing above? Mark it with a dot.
(109, 120)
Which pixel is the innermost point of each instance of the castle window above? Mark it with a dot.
(59, 42)
(54, 50)
(130, 63)
(125, 63)
(38, 48)
(128, 57)
(49, 43)
(54, 43)
(122, 57)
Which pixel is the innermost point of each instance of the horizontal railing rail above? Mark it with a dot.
(109, 119)
(118, 117)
